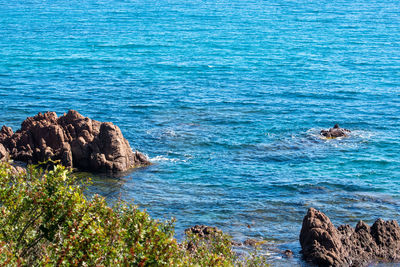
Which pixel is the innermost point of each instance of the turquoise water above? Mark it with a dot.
(227, 98)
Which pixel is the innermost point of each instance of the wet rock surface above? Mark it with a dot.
(252, 242)
(288, 253)
(335, 132)
(325, 245)
(75, 140)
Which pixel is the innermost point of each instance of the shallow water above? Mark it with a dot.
(227, 98)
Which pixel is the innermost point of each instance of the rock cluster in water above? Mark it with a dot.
(207, 232)
(202, 230)
(335, 132)
(325, 245)
(75, 140)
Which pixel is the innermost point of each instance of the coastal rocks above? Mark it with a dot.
(202, 230)
(253, 242)
(325, 245)
(75, 140)
(208, 235)
(335, 132)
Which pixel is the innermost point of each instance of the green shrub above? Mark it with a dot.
(46, 220)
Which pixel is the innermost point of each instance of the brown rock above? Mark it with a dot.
(325, 245)
(75, 140)
(202, 230)
(18, 168)
(253, 242)
(335, 132)
(3, 153)
(288, 253)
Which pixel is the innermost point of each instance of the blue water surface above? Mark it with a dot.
(227, 99)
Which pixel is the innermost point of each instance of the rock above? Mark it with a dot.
(3, 153)
(335, 132)
(325, 245)
(202, 230)
(253, 242)
(18, 167)
(236, 243)
(288, 253)
(75, 140)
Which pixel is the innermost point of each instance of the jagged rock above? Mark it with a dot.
(325, 245)
(335, 132)
(75, 140)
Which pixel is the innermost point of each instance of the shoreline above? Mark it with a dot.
(43, 123)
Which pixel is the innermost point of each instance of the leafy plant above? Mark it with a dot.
(46, 220)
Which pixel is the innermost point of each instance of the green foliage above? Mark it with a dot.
(46, 220)
(214, 249)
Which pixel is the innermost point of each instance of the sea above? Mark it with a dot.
(227, 99)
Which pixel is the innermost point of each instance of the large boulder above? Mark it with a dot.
(335, 132)
(325, 245)
(75, 140)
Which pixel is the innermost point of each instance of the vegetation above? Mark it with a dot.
(46, 220)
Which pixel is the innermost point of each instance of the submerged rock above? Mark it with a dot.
(288, 253)
(335, 132)
(251, 242)
(325, 245)
(75, 140)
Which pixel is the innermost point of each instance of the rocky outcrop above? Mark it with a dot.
(75, 140)
(335, 132)
(325, 245)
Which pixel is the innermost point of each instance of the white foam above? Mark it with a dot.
(362, 134)
(170, 132)
(162, 158)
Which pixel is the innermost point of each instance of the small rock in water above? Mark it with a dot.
(335, 132)
(250, 242)
(202, 230)
(288, 253)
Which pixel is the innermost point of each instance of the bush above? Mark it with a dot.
(47, 220)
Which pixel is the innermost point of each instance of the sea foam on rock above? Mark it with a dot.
(75, 140)
(325, 245)
(335, 132)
